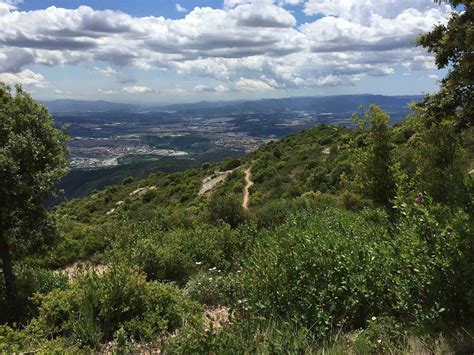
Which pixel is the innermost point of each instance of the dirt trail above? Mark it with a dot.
(248, 185)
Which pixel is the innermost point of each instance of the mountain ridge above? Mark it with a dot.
(296, 103)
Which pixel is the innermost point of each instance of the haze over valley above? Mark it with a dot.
(139, 139)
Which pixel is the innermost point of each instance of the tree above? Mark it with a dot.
(443, 118)
(226, 208)
(372, 163)
(32, 161)
(453, 47)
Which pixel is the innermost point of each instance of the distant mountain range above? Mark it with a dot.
(317, 104)
(66, 106)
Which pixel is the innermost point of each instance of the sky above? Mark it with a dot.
(166, 51)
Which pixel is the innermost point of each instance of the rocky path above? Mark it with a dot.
(248, 185)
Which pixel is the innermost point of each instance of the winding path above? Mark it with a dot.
(248, 185)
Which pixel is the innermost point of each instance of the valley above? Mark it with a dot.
(110, 142)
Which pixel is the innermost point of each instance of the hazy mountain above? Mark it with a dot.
(65, 106)
(320, 104)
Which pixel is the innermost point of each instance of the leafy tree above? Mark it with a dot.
(439, 161)
(372, 164)
(32, 160)
(453, 47)
(226, 208)
(443, 118)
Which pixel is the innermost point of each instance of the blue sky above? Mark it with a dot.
(165, 51)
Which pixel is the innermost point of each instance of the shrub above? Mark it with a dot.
(230, 164)
(330, 269)
(97, 306)
(128, 180)
(381, 335)
(30, 281)
(208, 288)
(243, 337)
(227, 209)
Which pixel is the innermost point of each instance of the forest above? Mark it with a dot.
(354, 240)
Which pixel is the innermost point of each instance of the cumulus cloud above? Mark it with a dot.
(25, 77)
(107, 71)
(138, 90)
(263, 15)
(108, 91)
(205, 88)
(180, 8)
(248, 44)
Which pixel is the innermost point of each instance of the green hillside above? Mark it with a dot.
(332, 240)
(312, 255)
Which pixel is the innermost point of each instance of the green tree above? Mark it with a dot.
(442, 119)
(32, 161)
(453, 47)
(372, 161)
(439, 160)
(226, 208)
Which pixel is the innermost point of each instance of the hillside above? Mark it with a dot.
(283, 169)
(306, 237)
(322, 231)
(272, 226)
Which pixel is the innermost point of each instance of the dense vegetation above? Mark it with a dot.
(356, 240)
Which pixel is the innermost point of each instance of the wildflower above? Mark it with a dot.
(419, 199)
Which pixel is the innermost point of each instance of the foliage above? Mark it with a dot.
(226, 209)
(381, 335)
(453, 47)
(96, 306)
(372, 166)
(333, 270)
(230, 164)
(177, 254)
(32, 161)
(244, 337)
(439, 160)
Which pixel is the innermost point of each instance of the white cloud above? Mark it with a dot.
(361, 11)
(107, 91)
(180, 8)
(107, 71)
(138, 90)
(246, 84)
(205, 88)
(263, 15)
(433, 76)
(247, 45)
(25, 77)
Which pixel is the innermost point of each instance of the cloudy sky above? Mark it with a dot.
(164, 51)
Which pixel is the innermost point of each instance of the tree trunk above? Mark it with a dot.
(9, 277)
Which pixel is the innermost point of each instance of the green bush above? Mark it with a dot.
(97, 306)
(31, 281)
(230, 164)
(243, 337)
(380, 337)
(208, 288)
(176, 255)
(331, 269)
(227, 209)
